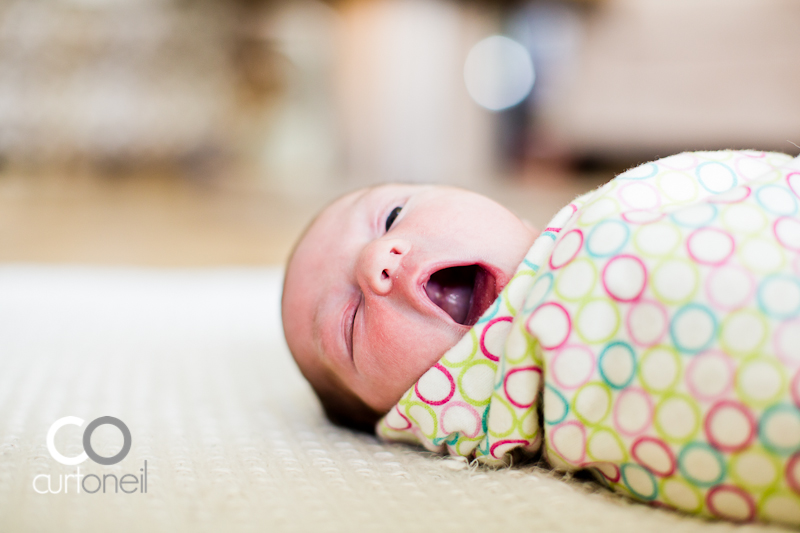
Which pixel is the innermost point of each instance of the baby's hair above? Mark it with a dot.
(345, 409)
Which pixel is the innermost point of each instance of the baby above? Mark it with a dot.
(654, 325)
(385, 266)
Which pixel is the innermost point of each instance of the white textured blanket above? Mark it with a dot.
(194, 363)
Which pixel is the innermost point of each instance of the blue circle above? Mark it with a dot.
(500, 372)
(449, 439)
(619, 248)
(528, 307)
(484, 446)
(718, 456)
(647, 497)
(490, 313)
(779, 213)
(563, 400)
(762, 287)
(762, 424)
(652, 172)
(734, 179)
(530, 265)
(677, 316)
(676, 220)
(633, 364)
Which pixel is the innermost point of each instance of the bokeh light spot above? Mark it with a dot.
(499, 73)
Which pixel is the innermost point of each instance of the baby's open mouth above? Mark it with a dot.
(463, 292)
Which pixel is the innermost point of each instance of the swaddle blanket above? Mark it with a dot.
(655, 324)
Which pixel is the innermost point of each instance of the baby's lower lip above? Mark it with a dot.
(484, 294)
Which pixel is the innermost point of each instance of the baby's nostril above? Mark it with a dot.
(384, 275)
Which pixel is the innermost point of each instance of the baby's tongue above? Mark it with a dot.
(455, 300)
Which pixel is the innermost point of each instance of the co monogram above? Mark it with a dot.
(88, 452)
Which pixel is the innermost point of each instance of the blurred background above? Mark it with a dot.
(208, 132)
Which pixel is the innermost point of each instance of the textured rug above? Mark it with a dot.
(194, 364)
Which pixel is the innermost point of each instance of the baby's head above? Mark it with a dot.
(384, 281)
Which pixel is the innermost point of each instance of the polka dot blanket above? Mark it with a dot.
(655, 327)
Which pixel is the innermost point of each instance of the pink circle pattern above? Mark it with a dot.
(716, 402)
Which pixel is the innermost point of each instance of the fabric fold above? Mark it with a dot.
(655, 327)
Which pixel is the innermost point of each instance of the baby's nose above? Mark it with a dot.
(380, 264)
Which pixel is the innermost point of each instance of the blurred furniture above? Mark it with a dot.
(658, 77)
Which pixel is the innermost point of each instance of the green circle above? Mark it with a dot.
(519, 326)
(510, 408)
(581, 222)
(759, 450)
(614, 436)
(771, 270)
(509, 287)
(692, 403)
(538, 356)
(462, 440)
(582, 308)
(678, 372)
(665, 298)
(771, 176)
(534, 413)
(572, 264)
(461, 390)
(606, 389)
(407, 397)
(645, 227)
(528, 305)
(430, 411)
(705, 156)
(692, 488)
(771, 493)
(728, 226)
(666, 175)
(753, 402)
(726, 322)
(473, 335)
(777, 159)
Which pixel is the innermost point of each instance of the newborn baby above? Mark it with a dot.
(384, 281)
(654, 324)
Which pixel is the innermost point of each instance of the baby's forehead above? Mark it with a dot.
(365, 196)
(332, 224)
(346, 212)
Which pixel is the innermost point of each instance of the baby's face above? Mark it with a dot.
(373, 308)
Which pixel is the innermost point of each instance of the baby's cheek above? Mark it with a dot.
(403, 350)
